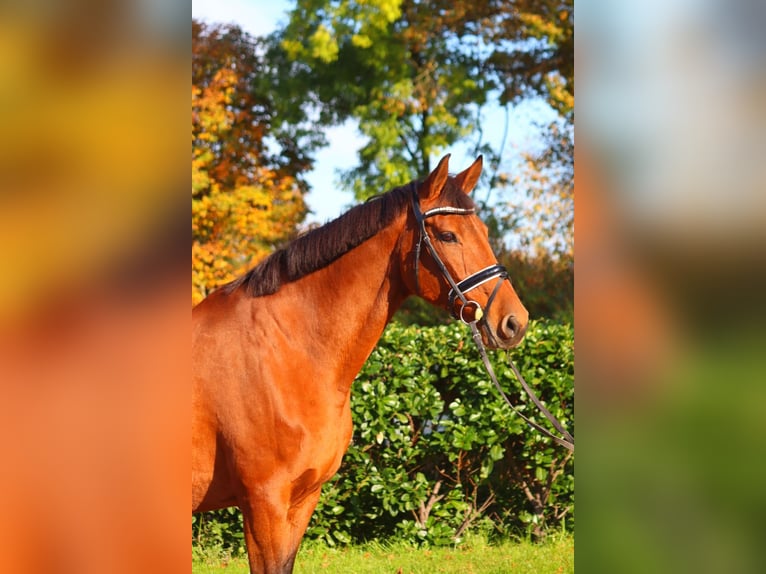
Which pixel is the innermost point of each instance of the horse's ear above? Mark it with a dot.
(467, 180)
(435, 181)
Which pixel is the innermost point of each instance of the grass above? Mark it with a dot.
(555, 556)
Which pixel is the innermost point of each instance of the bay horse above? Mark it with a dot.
(275, 353)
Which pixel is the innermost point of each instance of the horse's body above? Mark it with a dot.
(275, 353)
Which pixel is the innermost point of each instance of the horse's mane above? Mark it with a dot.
(321, 246)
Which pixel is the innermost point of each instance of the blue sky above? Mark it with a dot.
(327, 200)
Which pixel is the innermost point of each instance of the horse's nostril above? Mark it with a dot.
(510, 326)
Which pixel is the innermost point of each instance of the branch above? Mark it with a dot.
(452, 479)
(562, 514)
(473, 513)
(553, 473)
(415, 431)
(406, 145)
(424, 510)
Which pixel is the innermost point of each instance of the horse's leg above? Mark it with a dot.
(262, 537)
(299, 517)
(273, 531)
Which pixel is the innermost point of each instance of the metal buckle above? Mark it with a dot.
(478, 314)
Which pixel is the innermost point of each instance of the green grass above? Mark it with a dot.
(555, 556)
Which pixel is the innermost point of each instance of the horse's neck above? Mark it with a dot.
(349, 303)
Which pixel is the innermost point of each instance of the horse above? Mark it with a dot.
(276, 351)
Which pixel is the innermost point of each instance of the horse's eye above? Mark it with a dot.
(447, 237)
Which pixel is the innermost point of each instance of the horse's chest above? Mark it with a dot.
(316, 439)
(317, 454)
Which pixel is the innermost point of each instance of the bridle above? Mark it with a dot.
(458, 290)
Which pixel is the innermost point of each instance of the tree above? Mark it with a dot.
(406, 71)
(539, 62)
(534, 52)
(257, 111)
(244, 200)
(416, 75)
(541, 213)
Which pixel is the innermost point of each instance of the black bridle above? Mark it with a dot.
(458, 290)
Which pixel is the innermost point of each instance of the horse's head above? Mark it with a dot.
(451, 263)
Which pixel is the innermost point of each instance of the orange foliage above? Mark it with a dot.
(234, 224)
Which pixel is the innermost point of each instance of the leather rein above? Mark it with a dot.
(458, 290)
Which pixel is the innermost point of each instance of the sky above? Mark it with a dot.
(327, 200)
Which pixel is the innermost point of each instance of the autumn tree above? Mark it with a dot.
(539, 62)
(538, 206)
(534, 51)
(245, 198)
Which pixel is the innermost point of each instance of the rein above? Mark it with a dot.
(458, 290)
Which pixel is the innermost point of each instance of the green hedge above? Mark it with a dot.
(436, 453)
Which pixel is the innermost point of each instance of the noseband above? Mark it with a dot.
(459, 289)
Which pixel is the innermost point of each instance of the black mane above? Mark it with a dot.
(321, 246)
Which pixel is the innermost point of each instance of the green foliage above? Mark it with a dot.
(417, 311)
(434, 448)
(436, 454)
(218, 533)
(404, 70)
